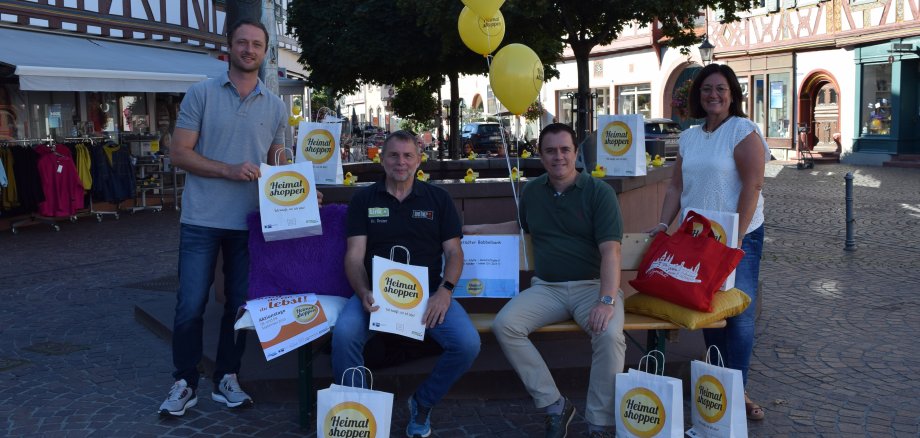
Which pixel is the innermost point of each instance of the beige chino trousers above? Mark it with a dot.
(546, 303)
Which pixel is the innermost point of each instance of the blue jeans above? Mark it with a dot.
(736, 340)
(456, 335)
(198, 249)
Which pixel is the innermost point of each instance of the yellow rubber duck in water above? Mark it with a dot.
(648, 160)
(470, 176)
(349, 179)
(421, 175)
(376, 158)
(424, 157)
(525, 154)
(516, 174)
(658, 161)
(471, 156)
(599, 171)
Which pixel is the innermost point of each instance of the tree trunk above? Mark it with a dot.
(583, 100)
(454, 114)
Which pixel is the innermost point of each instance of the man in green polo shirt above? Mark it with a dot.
(575, 224)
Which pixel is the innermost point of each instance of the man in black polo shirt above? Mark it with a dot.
(421, 217)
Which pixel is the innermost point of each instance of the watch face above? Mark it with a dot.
(606, 299)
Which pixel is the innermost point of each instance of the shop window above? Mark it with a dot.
(600, 105)
(876, 100)
(759, 115)
(52, 114)
(635, 99)
(13, 117)
(778, 100)
(101, 110)
(133, 113)
(745, 95)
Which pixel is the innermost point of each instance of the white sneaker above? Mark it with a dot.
(228, 392)
(180, 398)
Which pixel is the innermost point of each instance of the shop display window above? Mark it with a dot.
(14, 120)
(779, 110)
(133, 114)
(876, 100)
(53, 114)
(635, 99)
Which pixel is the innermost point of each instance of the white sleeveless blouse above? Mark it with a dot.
(710, 177)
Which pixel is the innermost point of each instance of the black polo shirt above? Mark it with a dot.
(421, 223)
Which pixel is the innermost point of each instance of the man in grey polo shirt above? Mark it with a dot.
(227, 126)
(576, 227)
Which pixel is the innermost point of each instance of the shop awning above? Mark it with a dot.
(53, 62)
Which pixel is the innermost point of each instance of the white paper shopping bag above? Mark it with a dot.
(284, 323)
(717, 400)
(319, 143)
(353, 411)
(725, 227)
(647, 404)
(287, 202)
(401, 291)
(621, 144)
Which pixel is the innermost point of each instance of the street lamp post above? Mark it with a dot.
(706, 49)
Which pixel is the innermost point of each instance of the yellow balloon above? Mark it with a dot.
(516, 77)
(480, 35)
(484, 8)
(296, 110)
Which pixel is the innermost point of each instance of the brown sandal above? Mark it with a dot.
(754, 411)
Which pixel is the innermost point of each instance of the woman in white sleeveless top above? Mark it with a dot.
(720, 166)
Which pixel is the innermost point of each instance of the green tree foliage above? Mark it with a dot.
(350, 42)
(415, 101)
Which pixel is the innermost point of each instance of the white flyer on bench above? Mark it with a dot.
(401, 291)
(491, 266)
(286, 322)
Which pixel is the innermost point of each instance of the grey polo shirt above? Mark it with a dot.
(232, 131)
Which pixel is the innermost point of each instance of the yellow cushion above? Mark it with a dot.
(725, 304)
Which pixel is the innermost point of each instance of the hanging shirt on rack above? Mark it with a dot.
(83, 166)
(28, 183)
(9, 197)
(62, 188)
(3, 181)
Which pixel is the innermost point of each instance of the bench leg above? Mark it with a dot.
(305, 384)
(656, 340)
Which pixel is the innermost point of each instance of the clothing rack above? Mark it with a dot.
(99, 214)
(34, 218)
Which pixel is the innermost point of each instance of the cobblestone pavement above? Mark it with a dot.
(836, 355)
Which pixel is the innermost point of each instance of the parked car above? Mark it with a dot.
(661, 137)
(483, 138)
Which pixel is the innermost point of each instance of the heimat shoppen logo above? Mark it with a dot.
(642, 412)
(287, 188)
(401, 289)
(318, 146)
(350, 420)
(617, 138)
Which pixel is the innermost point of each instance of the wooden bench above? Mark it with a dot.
(633, 247)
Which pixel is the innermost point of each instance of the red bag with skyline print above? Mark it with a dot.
(684, 268)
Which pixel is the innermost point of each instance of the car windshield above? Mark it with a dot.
(488, 129)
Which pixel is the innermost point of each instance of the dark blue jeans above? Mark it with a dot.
(736, 340)
(456, 335)
(198, 249)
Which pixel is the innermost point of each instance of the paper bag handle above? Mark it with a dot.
(278, 154)
(393, 253)
(361, 370)
(652, 355)
(721, 363)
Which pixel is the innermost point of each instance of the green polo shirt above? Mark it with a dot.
(567, 228)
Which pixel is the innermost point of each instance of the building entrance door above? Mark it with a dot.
(826, 116)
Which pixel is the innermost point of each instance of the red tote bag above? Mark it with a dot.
(684, 269)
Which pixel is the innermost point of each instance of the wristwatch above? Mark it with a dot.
(448, 285)
(606, 299)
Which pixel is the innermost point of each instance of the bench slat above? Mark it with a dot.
(483, 324)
